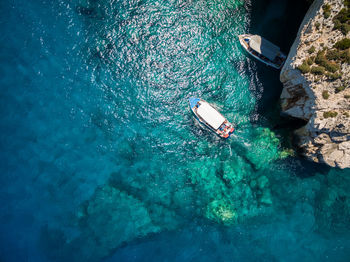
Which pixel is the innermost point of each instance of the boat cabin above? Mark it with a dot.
(210, 117)
(263, 50)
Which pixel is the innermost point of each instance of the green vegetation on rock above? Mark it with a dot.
(343, 44)
(325, 94)
(345, 28)
(346, 56)
(332, 67)
(342, 19)
(311, 50)
(330, 114)
(327, 60)
(342, 56)
(334, 54)
(333, 76)
(322, 60)
(326, 10)
(318, 70)
(304, 68)
(317, 25)
(339, 89)
(309, 61)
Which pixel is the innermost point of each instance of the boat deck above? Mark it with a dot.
(276, 59)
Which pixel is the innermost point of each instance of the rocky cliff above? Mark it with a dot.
(316, 80)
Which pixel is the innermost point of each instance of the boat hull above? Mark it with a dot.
(245, 47)
(193, 102)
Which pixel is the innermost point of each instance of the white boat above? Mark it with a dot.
(263, 50)
(211, 118)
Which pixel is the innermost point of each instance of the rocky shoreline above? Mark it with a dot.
(316, 80)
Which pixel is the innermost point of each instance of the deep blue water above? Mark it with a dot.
(101, 159)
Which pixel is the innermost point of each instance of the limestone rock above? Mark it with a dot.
(326, 137)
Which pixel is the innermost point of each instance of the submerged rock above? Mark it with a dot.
(333, 205)
(265, 148)
(222, 211)
(318, 91)
(108, 220)
(286, 153)
(228, 192)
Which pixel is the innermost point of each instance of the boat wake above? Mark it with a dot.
(240, 140)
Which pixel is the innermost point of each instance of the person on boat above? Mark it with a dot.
(196, 106)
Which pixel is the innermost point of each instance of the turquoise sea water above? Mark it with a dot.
(101, 159)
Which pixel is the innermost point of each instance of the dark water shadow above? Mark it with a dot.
(278, 21)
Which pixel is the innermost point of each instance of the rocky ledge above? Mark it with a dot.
(316, 80)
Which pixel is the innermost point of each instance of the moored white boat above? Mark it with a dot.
(210, 117)
(263, 50)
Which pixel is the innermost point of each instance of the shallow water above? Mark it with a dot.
(103, 161)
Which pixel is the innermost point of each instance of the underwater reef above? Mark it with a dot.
(109, 219)
(198, 180)
(131, 206)
(102, 159)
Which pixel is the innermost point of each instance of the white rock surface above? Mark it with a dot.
(325, 140)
